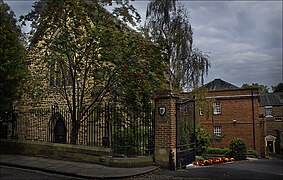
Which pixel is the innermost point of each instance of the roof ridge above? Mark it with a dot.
(219, 85)
(271, 99)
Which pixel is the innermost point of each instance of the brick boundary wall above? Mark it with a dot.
(165, 131)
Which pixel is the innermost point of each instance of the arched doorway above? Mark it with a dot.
(60, 131)
(270, 143)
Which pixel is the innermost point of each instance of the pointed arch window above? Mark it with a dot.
(56, 75)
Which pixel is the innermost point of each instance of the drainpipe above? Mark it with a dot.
(253, 114)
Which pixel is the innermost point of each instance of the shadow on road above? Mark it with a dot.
(248, 169)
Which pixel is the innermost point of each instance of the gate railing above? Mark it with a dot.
(128, 131)
(185, 128)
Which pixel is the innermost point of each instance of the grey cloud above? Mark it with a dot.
(244, 38)
(20, 7)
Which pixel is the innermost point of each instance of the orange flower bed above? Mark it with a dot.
(213, 161)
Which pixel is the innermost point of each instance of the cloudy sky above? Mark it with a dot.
(244, 38)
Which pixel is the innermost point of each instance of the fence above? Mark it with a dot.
(128, 131)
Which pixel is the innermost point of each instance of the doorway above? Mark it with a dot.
(270, 146)
(270, 143)
(60, 131)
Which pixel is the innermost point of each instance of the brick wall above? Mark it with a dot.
(165, 126)
(165, 130)
(237, 119)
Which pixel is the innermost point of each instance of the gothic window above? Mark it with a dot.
(56, 78)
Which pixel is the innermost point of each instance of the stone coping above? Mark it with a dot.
(77, 153)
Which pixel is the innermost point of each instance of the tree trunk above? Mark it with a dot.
(74, 132)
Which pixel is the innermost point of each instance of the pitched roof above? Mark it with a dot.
(271, 99)
(219, 85)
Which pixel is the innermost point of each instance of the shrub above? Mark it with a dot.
(199, 158)
(217, 150)
(202, 140)
(229, 154)
(238, 148)
(253, 153)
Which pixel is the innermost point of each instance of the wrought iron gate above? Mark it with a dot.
(128, 131)
(186, 138)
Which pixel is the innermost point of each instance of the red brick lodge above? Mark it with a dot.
(235, 114)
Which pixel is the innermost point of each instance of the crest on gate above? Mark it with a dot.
(162, 111)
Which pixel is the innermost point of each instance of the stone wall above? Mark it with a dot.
(89, 154)
(273, 125)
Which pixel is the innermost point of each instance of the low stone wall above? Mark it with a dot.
(140, 161)
(89, 154)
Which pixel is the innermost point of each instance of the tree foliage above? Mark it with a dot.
(204, 104)
(238, 148)
(42, 8)
(278, 87)
(203, 140)
(168, 23)
(12, 56)
(89, 51)
(261, 88)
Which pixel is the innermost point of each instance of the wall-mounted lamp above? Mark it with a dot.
(234, 121)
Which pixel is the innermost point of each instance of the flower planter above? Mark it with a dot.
(213, 161)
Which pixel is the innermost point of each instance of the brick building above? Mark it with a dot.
(235, 114)
(271, 112)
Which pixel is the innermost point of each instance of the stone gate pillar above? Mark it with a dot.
(165, 131)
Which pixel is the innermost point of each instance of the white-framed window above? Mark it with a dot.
(268, 111)
(200, 111)
(217, 131)
(217, 108)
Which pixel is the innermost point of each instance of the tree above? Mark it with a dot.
(168, 23)
(278, 88)
(205, 107)
(261, 88)
(203, 140)
(40, 9)
(204, 104)
(12, 59)
(86, 50)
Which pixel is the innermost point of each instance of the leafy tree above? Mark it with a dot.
(41, 9)
(12, 59)
(85, 50)
(278, 87)
(203, 140)
(261, 88)
(168, 23)
(203, 104)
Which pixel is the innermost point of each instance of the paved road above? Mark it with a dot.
(73, 169)
(248, 169)
(17, 173)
